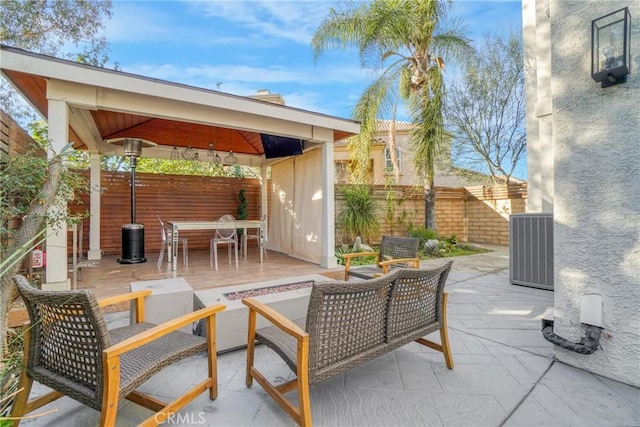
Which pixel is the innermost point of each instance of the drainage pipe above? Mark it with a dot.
(588, 344)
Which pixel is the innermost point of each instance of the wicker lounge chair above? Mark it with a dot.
(395, 252)
(348, 324)
(69, 349)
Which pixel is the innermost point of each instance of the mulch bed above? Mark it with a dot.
(268, 290)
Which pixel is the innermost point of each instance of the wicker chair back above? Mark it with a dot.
(68, 335)
(398, 247)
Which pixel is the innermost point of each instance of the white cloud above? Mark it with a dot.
(289, 20)
(229, 73)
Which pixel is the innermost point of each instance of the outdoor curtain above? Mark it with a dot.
(296, 206)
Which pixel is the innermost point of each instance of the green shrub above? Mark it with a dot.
(346, 249)
(360, 216)
(451, 239)
(423, 234)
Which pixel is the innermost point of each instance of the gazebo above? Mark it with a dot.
(89, 105)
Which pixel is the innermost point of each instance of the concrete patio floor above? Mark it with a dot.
(504, 375)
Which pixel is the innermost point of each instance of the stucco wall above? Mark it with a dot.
(596, 138)
(537, 67)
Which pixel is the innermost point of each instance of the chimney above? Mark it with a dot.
(267, 96)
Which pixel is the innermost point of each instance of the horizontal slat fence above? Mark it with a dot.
(173, 197)
(475, 214)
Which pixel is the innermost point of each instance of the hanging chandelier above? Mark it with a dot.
(189, 153)
(230, 159)
(216, 159)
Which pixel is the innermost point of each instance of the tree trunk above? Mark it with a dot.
(32, 224)
(8, 293)
(430, 208)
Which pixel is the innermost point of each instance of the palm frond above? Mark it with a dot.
(342, 29)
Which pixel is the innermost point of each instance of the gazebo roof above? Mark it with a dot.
(106, 104)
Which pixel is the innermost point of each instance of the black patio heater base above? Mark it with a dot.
(132, 244)
(133, 233)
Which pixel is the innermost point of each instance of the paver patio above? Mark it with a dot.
(504, 374)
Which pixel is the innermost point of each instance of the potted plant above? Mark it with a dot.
(242, 208)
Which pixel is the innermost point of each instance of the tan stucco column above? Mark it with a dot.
(56, 271)
(94, 252)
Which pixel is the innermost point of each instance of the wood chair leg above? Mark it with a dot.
(24, 385)
(303, 386)
(19, 407)
(444, 334)
(110, 392)
(212, 356)
(251, 345)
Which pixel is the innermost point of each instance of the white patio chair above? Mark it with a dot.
(259, 236)
(163, 246)
(224, 235)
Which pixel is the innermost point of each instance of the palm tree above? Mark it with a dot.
(405, 41)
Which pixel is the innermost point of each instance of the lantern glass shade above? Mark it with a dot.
(610, 53)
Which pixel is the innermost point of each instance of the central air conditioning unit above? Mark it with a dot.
(531, 250)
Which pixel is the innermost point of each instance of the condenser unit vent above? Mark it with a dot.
(531, 250)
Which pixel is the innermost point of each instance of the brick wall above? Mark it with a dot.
(488, 210)
(451, 212)
(474, 214)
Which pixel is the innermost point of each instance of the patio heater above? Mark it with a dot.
(133, 233)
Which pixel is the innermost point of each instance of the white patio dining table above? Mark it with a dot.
(174, 228)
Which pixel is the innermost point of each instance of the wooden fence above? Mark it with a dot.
(175, 197)
(476, 214)
(14, 141)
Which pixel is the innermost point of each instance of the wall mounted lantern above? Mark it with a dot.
(610, 53)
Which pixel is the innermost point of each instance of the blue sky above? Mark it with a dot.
(241, 47)
(247, 46)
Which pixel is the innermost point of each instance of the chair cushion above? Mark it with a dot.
(140, 364)
(283, 344)
(365, 272)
